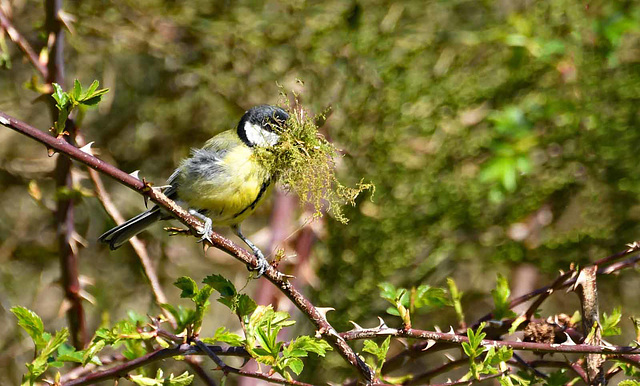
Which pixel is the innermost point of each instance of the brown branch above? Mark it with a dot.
(459, 339)
(64, 214)
(22, 43)
(138, 246)
(123, 369)
(228, 369)
(633, 247)
(200, 372)
(324, 329)
(428, 375)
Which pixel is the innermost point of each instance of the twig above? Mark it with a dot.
(459, 339)
(324, 329)
(138, 246)
(22, 43)
(428, 375)
(197, 368)
(121, 370)
(228, 369)
(470, 381)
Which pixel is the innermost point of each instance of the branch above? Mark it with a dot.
(22, 43)
(228, 369)
(138, 246)
(121, 370)
(324, 329)
(371, 333)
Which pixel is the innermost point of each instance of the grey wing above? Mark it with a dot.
(173, 181)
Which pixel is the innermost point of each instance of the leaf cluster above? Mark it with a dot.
(76, 97)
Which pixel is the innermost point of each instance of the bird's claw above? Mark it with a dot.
(262, 265)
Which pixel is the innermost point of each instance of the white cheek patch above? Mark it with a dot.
(256, 135)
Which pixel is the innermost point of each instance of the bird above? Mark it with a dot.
(221, 183)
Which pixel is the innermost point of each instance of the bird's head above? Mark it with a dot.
(259, 126)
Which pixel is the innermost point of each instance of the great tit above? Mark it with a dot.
(221, 183)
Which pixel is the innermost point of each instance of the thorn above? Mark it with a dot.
(50, 152)
(450, 357)
(518, 339)
(634, 246)
(430, 344)
(437, 328)
(356, 326)
(324, 310)
(163, 187)
(382, 324)
(135, 173)
(87, 296)
(4, 121)
(451, 330)
(404, 343)
(87, 148)
(146, 202)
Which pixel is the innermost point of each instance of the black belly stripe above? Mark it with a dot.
(251, 206)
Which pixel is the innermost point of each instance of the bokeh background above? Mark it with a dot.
(502, 137)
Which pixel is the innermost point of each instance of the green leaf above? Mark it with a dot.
(77, 90)
(221, 284)
(431, 297)
(31, 323)
(501, 299)
(92, 88)
(60, 96)
(202, 297)
(225, 336)
(456, 299)
(246, 305)
(307, 344)
(93, 349)
(609, 323)
(295, 364)
(188, 286)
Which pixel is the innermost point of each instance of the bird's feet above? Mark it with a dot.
(208, 225)
(263, 264)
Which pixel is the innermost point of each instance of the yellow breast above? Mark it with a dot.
(230, 187)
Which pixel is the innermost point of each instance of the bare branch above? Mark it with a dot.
(121, 370)
(22, 43)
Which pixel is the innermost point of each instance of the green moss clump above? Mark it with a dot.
(304, 163)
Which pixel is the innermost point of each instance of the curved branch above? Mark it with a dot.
(121, 370)
(324, 329)
(23, 44)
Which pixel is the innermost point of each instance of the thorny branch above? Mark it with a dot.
(323, 328)
(23, 44)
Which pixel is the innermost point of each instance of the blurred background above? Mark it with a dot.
(501, 136)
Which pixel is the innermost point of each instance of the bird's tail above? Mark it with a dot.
(119, 235)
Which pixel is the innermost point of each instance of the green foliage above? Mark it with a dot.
(456, 299)
(501, 295)
(50, 351)
(263, 345)
(191, 320)
(240, 304)
(76, 97)
(304, 162)
(405, 302)
(183, 379)
(609, 323)
(378, 352)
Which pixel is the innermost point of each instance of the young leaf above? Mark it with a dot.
(246, 305)
(222, 335)
(501, 299)
(456, 299)
(609, 323)
(31, 323)
(221, 284)
(77, 90)
(188, 286)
